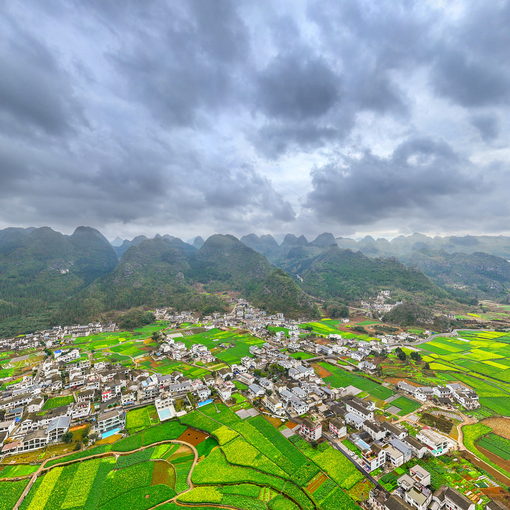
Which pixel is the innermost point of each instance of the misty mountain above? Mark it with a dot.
(498, 246)
(479, 274)
(121, 248)
(451, 262)
(349, 276)
(198, 242)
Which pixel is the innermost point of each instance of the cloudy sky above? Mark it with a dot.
(199, 116)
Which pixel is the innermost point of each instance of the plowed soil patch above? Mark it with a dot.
(505, 464)
(193, 436)
(501, 426)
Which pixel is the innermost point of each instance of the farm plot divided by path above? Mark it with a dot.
(209, 457)
(480, 359)
(253, 452)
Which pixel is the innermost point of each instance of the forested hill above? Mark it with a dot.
(49, 278)
(350, 275)
(40, 268)
(167, 271)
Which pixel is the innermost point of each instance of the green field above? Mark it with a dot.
(253, 451)
(100, 483)
(340, 378)
(475, 433)
(480, 359)
(54, 402)
(10, 493)
(498, 445)
(302, 355)
(327, 327)
(247, 464)
(141, 418)
(406, 405)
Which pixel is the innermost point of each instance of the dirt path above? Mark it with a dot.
(43, 468)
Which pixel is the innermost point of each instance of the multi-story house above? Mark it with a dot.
(311, 431)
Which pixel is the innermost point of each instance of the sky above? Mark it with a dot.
(194, 117)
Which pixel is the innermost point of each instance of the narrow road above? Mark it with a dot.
(335, 444)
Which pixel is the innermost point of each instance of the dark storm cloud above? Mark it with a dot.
(184, 59)
(35, 91)
(175, 113)
(293, 87)
(469, 82)
(364, 190)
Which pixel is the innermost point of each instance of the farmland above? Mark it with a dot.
(327, 327)
(143, 417)
(121, 478)
(479, 359)
(250, 464)
(496, 444)
(338, 377)
(252, 451)
(479, 434)
(135, 349)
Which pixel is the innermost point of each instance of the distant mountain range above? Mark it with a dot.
(47, 277)
(469, 266)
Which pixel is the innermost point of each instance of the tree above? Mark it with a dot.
(401, 355)
(67, 437)
(415, 356)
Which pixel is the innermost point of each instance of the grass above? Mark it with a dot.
(302, 355)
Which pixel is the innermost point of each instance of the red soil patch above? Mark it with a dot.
(78, 427)
(193, 436)
(321, 371)
(290, 424)
(316, 483)
(275, 422)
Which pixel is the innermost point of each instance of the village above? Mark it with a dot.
(276, 378)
